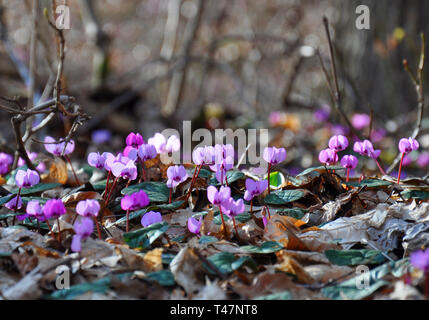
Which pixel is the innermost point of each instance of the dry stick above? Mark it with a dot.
(418, 85)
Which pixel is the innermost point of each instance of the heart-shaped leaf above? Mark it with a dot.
(144, 237)
(354, 257)
(265, 248)
(38, 188)
(157, 191)
(284, 196)
(231, 176)
(226, 262)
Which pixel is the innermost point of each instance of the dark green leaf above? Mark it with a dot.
(283, 295)
(354, 257)
(226, 262)
(370, 183)
(231, 176)
(38, 188)
(157, 191)
(207, 239)
(283, 196)
(415, 194)
(144, 237)
(292, 212)
(163, 277)
(265, 248)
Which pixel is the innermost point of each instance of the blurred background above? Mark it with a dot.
(147, 65)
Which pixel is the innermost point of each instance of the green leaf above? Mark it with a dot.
(349, 289)
(265, 248)
(157, 191)
(167, 257)
(370, 183)
(5, 254)
(415, 194)
(231, 176)
(284, 196)
(354, 257)
(283, 295)
(5, 199)
(37, 188)
(275, 179)
(226, 262)
(163, 277)
(207, 239)
(242, 218)
(100, 185)
(144, 237)
(292, 212)
(315, 171)
(204, 173)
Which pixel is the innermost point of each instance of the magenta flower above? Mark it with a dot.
(349, 161)
(135, 201)
(110, 160)
(5, 161)
(176, 175)
(254, 188)
(378, 135)
(150, 218)
(146, 152)
(88, 208)
(83, 230)
(322, 114)
(134, 140)
(26, 179)
(162, 145)
(366, 148)
(338, 143)
(407, 145)
(420, 260)
(423, 160)
(101, 136)
(126, 171)
(194, 225)
(218, 197)
(360, 120)
(14, 204)
(96, 160)
(54, 208)
(338, 129)
(233, 208)
(34, 209)
(204, 155)
(274, 155)
(328, 157)
(57, 148)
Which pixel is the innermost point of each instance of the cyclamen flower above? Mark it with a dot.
(150, 218)
(34, 209)
(14, 204)
(5, 161)
(88, 208)
(194, 225)
(328, 156)
(96, 160)
(57, 148)
(110, 160)
(204, 155)
(407, 145)
(349, 162)
(176, 175)
(164, 146)
(420, 260)
(134, 140)
(25, 179)
(54, 208)
(224, 152)
(218, 197)
(146, 152)
(338, 143)
(31, 155)
(233, 208)
(274, 155)
(360, 121)
(254, 188)
(126, 171)
(366, 148)
(101, 136)
(322, 114)
(423, 160)
(83, 230)
(134, 201)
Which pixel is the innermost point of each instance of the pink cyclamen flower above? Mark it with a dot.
(146, 152)
(322, 114)
(135, 201)
(217, 197)
(31, 155)
(338, 143)
(194, 225)
(328, 156)
(5, 161)
(34, 209)
(134, 140)
(83, 230)
(96, 160)
(349, 161)
(57, 148)
(88, 208)
(420, 260)
(366, 148)
(54, 208)
(110, 160)
(204, 155)
(338, 129)
(162, 145)
(423, 160)
(15, 203)
(126, 171)
(360, 120)
(176, 175)
(274, 155)
(254, 188)
(233, 208)
(150, 218)
(378, 134)
(407, 145)
(26, 179)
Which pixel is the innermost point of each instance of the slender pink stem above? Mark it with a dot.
(194, 178)
(128, 183)
(107, 184)
(348, 173)
(235, 228)
(50, 229)
(59, 230)
(400, 167)
(380, 167)
(268, 178)
(111, 189)
(223, 221)
(128, 220)
(171, 193)
(74, 173)
(251, 206)
(98, 227)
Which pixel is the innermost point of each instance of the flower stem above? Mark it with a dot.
(16, 205)
(223, 221)
(427, 284)
(268, 178)
(107, 184)
(380, 167)
(98, 227)
(143, 177)
(171, 193)
(251, 206)
(400, 167)
(59, 230)
(235, 228)
(128, 220)
(50, 229)
(348, 174)
(111, 190)
(74, 173)
(128, 183)
(194, 178)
